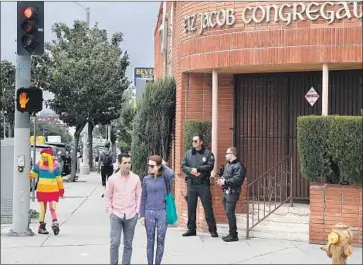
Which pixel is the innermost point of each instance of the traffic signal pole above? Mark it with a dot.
(30, 41)
(22, 157)
(34, 154)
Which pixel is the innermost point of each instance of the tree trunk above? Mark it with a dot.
(11, 130)
(114, 153)
(113, 139)
(74, 157)
(90, 144)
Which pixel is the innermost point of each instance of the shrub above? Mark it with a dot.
(330, 148)
(192, 127)
(152, 126)
(346, 146)
(312, 144)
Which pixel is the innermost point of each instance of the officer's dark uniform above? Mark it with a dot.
(234, 175)
(203, 161)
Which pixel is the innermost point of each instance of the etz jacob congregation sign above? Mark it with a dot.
(286, 13)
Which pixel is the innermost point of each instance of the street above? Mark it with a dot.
(84, 239)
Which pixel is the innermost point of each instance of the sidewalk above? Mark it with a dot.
(84, 239)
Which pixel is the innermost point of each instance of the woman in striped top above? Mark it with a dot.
(49, 188)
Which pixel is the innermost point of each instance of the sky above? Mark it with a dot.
(136, 20)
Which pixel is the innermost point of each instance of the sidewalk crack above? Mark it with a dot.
(260, 255)
(62, 223)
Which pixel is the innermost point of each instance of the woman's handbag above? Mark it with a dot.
(171, 213)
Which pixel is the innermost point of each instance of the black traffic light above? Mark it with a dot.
(29, 99)
(30, 28)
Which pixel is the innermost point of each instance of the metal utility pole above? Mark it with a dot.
(21, 191)
(109, 129)
(84, 167)
(34, 154)
(30, 41)
(4, 123)
(88, 14)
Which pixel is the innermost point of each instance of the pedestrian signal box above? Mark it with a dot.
(29, 99)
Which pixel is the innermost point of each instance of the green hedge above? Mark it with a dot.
(192, 127)
(330, 147)
(312, 134)
(346, 146)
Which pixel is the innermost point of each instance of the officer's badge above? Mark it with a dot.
(204, 159)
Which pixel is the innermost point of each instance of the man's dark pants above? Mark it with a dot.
(203, 192)
(229, 203)
(106, 172)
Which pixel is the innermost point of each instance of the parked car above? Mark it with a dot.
(63, 156)
(38, 149)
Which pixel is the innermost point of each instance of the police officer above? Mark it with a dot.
(197, 165)
(231, 182)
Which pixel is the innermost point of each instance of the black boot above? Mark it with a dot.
(42, 230)
(214, 234)
(230, 238)
(190, 233)
(55, 227)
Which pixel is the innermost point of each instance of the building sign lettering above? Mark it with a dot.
(286, 13)
(146, 73)
(217, 18)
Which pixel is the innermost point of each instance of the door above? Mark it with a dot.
(267, 108)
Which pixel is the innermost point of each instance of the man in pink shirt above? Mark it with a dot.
(122, 201)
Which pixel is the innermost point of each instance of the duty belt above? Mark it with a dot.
(198, 181)
(229, 190)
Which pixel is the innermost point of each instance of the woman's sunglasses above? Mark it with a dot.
(151, 166)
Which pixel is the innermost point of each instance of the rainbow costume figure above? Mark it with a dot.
(49, 188)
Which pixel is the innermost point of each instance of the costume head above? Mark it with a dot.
(47, 156)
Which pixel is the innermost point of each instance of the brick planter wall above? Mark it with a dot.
(331, 204)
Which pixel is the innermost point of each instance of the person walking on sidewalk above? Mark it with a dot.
(122, 202)
(105, 162)
(153, 208)
(231, 182)
(197, 165)
(49, 188)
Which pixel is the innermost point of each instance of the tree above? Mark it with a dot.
(2, 126)
(7, 79)
(83, 70)
(107, 107)
(152, 130)
(124, 122)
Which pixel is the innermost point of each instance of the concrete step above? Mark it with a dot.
(271, 225)
(286, 223)
(283, 228)
(242, 222)
(300, 219)
(300, 235)
(296, 209)
(297, 213)
(282, 220)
